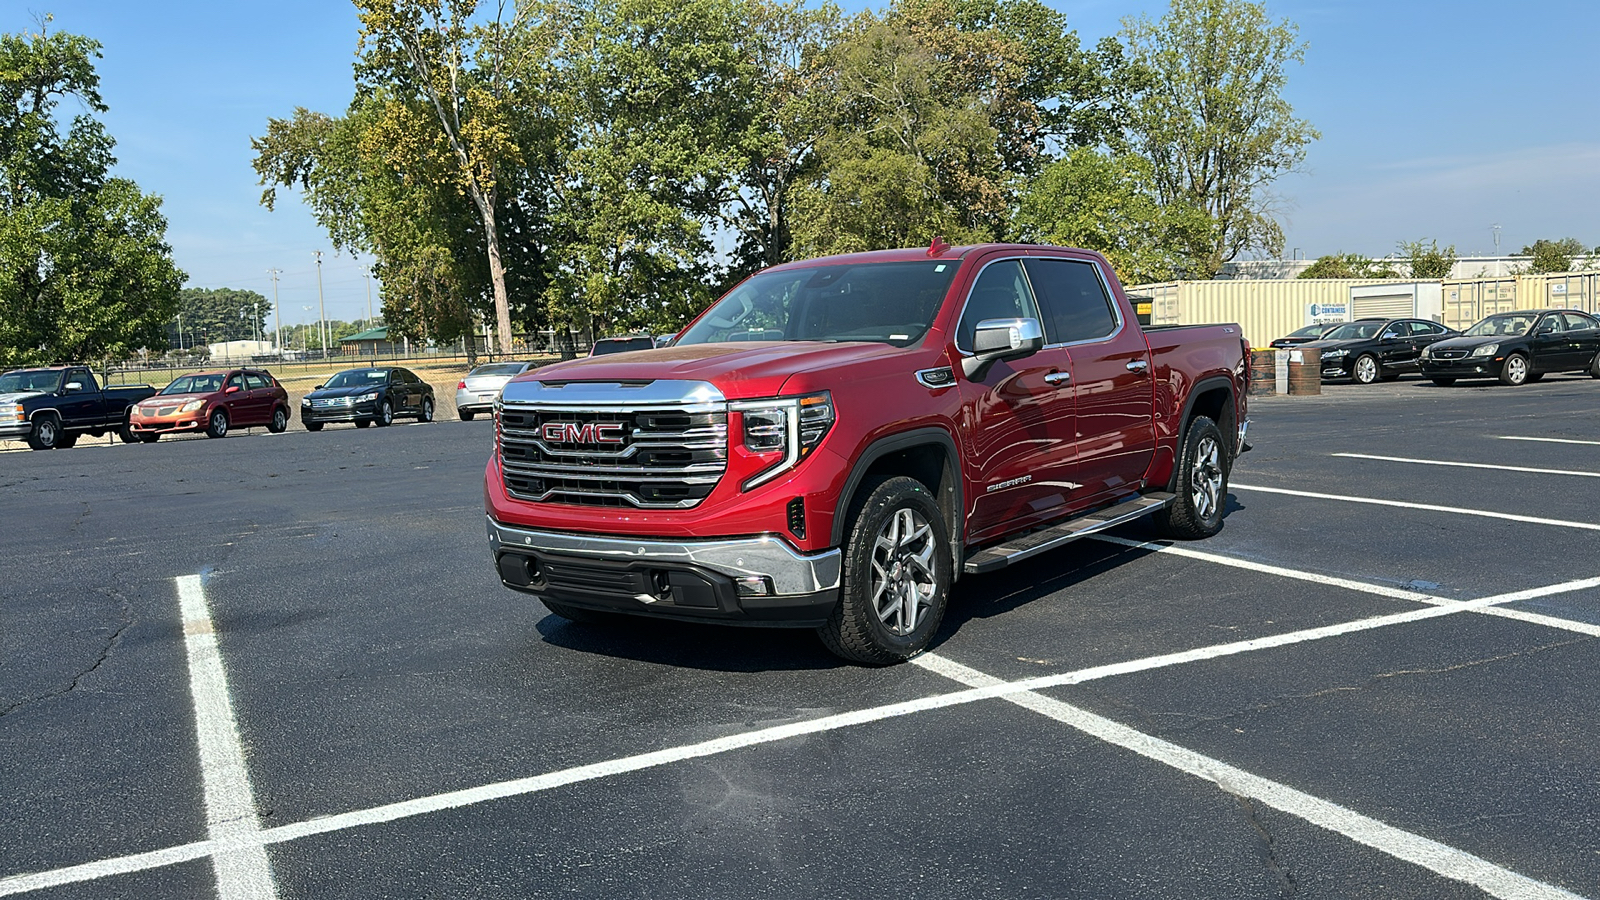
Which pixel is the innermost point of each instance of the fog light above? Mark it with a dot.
(753, 586)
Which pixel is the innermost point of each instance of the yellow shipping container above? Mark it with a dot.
(1266, 309)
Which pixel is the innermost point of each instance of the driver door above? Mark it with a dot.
(1550, 348)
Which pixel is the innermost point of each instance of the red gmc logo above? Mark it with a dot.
(587, 433)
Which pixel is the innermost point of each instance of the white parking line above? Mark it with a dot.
(1379, 589)
(1544, 440)
(1442, 859)
(19, 884)
(1468, 465)
(239, 858)
(1482, 513)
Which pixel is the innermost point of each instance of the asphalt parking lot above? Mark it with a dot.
(281, 666)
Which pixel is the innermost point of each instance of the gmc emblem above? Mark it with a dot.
(587, 433)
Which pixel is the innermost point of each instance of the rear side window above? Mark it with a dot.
(1075, 303)
(255, 382)
(1579, 322)
(1001, 292)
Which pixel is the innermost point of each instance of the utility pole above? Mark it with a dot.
(322, 309)
(277, 320)
(368, 276)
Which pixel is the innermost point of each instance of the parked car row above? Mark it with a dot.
(1518, 347)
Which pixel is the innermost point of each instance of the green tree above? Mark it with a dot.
(1349, 265)
(85, 272)
(213, 315)
(1103, 202)
(1554, 256)
(1427, 260)
(1213, 121)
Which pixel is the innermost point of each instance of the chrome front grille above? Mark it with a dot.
(651, 445)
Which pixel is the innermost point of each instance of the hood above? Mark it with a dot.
(1475, 341)
(346, 391)
(740, 370)
(19, 396)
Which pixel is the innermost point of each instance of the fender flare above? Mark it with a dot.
(1208, 383)
(892, 444)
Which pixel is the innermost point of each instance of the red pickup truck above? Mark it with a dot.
(835, 441)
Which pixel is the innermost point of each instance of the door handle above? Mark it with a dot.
(1057, 379)
(1137, 365)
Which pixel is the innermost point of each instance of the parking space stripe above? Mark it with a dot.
(1545, 440)
(1482, 513)
(239, 858)
(391, 812)
(1379, 589)
(1468, 465)
(1441, 859)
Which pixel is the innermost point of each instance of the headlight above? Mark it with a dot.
(1334, 354)
(1486, 350)
(191, 406)
(1427, 351)
(305, 401)
(13, 414)
(793, 426)
(366, 397)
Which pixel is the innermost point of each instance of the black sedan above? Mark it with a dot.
(1369, 350)
(367, 396)
(1302, 336)
(1518, 348)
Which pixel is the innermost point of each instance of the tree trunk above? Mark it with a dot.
(497, 274)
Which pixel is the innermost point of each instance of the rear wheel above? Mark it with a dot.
(362, 423)
(897, 575)
(467, 414)
(46, 433)
(427, 410)
(313, 426)
(217, 424)
(1444, 382)
(1366, 370)
(280, 421)
(1594, 367)
(1515, 370)
(1202, 486)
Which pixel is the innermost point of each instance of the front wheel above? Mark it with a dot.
(362, 423)
(897, 575)
(149, 437)
(1515, 370)
(1366, 370)
(1202, 486)
(313, 426)
(579, 614)
(1444, 382)
(427, 410)
(217, 425)
(280, 421)
(385, 413)
(126, 433)
(46, 433)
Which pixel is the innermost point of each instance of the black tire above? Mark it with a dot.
(385, 414)
(46, 433)
(1390, 376)
(126, 434)
(217, 424)
(1514, 371)
(1594, 367)
(280, 420)
(362, 423)
(313, 426)
(897, 576)
(67, 439)
(579, 614)
(1366, 369)
(1533, 377)
(149, 437)
(1201, 485)
(1444, 382)
(427, 410)
(467, 414)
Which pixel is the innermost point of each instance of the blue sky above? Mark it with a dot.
(1439, 119)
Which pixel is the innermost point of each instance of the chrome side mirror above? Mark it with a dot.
(1002, 339)
(73, 386)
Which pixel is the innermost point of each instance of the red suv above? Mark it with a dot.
(215, 403)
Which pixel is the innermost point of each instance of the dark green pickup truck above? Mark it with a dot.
(51, 407)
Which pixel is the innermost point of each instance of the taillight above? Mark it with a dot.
(461, 385)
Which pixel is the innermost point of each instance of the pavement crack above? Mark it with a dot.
(109, 649)
(1266, 846)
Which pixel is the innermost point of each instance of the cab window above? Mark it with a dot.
(1001, 292)
(1075, 302)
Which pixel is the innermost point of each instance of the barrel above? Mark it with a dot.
(1263, 373)
(1305, 371)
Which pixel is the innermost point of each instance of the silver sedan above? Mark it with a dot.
(476, 392)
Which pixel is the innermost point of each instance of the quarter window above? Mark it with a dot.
(1074, 299)
(1001, 292)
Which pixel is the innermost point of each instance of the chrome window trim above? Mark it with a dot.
(1105, 288)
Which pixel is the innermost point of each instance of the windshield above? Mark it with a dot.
(358, 378)
(498, 369)
(893, 303)
(25, 381)
(1354, 331)
(194, 384)
(1511, 325)
(1310, 331)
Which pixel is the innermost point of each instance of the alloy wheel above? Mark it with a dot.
(1205, 478)
(903, 578)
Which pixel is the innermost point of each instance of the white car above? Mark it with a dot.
(476, 392)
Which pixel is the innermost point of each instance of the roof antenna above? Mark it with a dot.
(937, 247)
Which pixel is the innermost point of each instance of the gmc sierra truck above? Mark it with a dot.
(51, 408)
(835, 441)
